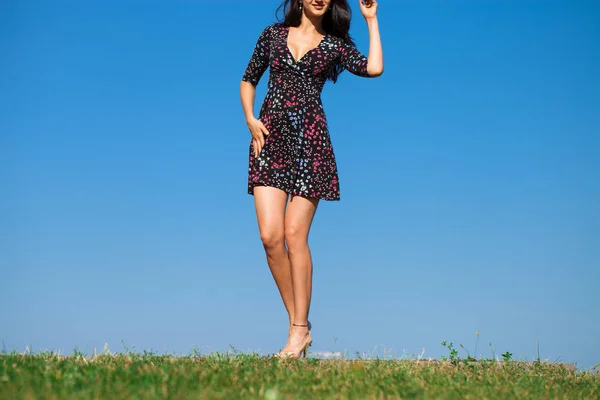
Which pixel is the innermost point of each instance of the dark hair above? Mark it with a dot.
(336, 22)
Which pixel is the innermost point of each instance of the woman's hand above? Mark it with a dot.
(368, 8)
(258, 131)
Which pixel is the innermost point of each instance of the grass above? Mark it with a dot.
(235, 375)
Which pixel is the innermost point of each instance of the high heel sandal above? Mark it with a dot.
(280, 354)
(306, 343)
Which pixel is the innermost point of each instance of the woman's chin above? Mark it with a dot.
(316, 13)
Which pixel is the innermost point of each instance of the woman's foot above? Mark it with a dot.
(287, 345)
(290, 334)
(298, 343)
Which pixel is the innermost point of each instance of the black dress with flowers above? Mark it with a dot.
(298, 155)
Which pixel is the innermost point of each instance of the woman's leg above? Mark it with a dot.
(270, 205)
(298, 219)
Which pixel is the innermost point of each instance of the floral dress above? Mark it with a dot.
(297, 156)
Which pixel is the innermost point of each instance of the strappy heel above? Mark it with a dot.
(306, 343)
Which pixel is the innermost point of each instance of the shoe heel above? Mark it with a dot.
(306, 348)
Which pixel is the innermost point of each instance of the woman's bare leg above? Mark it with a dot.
(298, 219)
(270, 205)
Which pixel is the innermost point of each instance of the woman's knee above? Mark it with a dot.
(272, 238)
(295, 238)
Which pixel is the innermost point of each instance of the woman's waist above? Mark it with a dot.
(294, 84)
(283, 111)
(276, 101)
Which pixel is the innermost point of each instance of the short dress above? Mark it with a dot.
(297, 156)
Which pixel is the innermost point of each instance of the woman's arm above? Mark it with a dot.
(259, 61)
(355, 61)
(256, 127)
(247, 96)
(375, 63)
(254, 71)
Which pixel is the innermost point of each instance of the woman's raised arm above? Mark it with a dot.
(369, 11)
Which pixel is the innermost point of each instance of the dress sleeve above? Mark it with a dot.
(353, 60)
(260, 58)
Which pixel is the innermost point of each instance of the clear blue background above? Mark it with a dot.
(469, 177)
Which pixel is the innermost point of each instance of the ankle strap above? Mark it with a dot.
(299, 325)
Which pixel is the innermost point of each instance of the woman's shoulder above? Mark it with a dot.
(338, 41)
(271, 31)
(275, 28)
(342, 45)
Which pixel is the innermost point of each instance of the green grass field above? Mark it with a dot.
(251, 376)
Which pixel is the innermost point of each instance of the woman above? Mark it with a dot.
(290, 151)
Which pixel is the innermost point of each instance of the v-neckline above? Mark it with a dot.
(287, 46)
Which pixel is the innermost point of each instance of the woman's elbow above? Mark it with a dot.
(375, 72)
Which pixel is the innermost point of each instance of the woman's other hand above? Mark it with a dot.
(368, 8)
(258, 131)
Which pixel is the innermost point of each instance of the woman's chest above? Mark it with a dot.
(315, 61)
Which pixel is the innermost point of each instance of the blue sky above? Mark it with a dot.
(468, 175)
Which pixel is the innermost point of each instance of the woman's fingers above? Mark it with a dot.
(264, 129)
(259, 132)
(262, 132)
(366, 3)
(368, 8)
(256, 147)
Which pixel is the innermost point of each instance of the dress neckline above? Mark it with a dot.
(287, 46)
